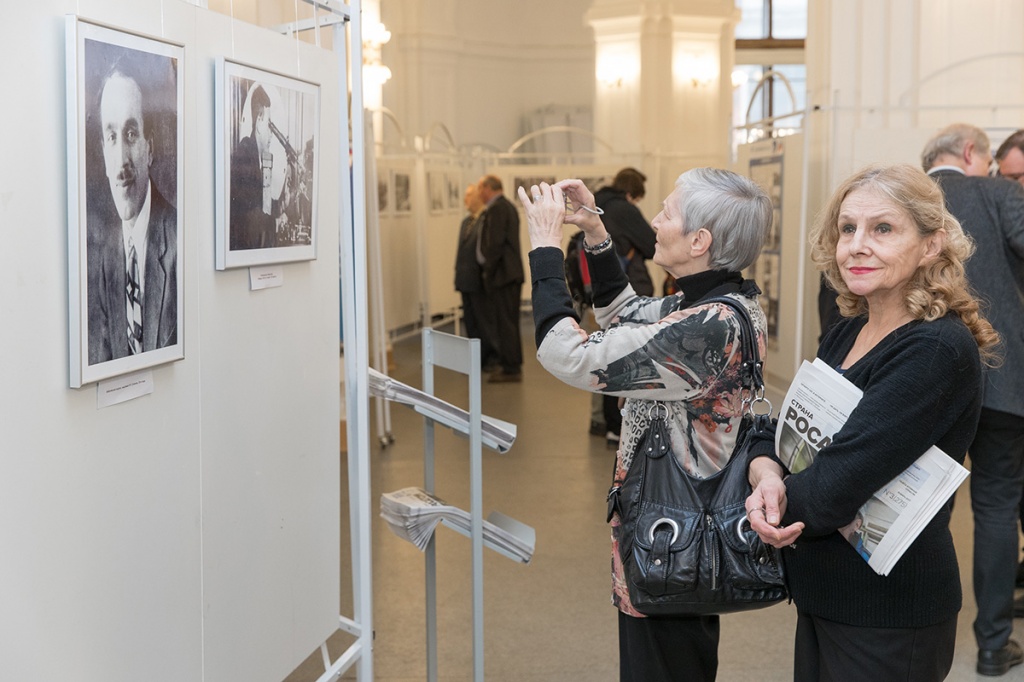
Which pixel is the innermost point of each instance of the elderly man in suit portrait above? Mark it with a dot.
(133, 298)
(991, 210)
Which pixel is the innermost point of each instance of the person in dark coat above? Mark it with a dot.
(633, 236)
(476, 313)
(992, 213)
(634, 243)
(502, 265)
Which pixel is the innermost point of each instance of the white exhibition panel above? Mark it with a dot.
(270, 463)
(191, 534)
(790, 282)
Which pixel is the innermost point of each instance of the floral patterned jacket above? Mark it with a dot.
(673, 350)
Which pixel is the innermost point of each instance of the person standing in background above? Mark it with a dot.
(502, 267)
(634, 243)
(634, 239)
(1010, 157)
(991, 211)
(476, 313)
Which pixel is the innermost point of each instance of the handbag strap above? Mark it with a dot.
(752, 371)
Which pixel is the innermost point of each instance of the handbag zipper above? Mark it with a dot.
(712, 551)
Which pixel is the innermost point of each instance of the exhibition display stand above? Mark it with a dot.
(461, 355)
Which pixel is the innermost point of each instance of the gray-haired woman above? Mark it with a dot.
(674, 350)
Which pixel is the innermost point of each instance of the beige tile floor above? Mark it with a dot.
(550, 620)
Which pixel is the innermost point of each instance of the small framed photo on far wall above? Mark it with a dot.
(268, 131)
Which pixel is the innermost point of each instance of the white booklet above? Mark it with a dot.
(818, 403)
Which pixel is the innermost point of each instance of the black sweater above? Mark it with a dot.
(922, 387)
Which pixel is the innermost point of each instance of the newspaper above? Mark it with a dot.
(818, 403)
(413, 514)
(496, 434)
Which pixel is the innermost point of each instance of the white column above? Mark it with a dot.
(663, 76)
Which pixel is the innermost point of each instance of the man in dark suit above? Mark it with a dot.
(502, 263)
(1010, 157)
(132, 262)
(476, 312)
(991, 210)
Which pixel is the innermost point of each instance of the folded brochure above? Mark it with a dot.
(413, 514)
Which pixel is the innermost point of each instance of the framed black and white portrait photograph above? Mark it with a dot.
(125, 103)
(268, 131)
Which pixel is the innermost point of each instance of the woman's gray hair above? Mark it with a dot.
(734, 209)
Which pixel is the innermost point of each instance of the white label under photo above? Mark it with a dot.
(123, 388)
(266, 277)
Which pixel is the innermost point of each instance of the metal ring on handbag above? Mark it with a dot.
(671, 523)
(758, 398)
(739, 528)
(652, 410)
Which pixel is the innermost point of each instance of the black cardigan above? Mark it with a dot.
(922, 387)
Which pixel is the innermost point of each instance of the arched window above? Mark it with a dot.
(770, 36)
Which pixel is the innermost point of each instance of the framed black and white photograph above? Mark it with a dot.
(383, 193)
(527, 182)
(455, 192)
(268, 131)
(125, 104)
(437, 191)
(403, 192)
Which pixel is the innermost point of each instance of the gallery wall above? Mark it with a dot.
(882, 77)
(482, 68)
(190, 534)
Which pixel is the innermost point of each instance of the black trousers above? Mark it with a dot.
(997, 475)
(505, 301)
(476, 315)
(827, 651)
(612, 413)
(668, 649)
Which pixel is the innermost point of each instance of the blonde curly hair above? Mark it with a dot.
(935, 289)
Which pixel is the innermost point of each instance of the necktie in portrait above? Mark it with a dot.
(132, 301)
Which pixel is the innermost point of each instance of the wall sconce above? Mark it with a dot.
(375, 36)
(618, 66)
(698, 68)
(375, 73)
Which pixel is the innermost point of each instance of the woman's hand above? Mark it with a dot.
(586, 220)
(545, 214)
(767, 504)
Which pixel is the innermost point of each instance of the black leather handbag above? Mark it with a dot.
(686, 543)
